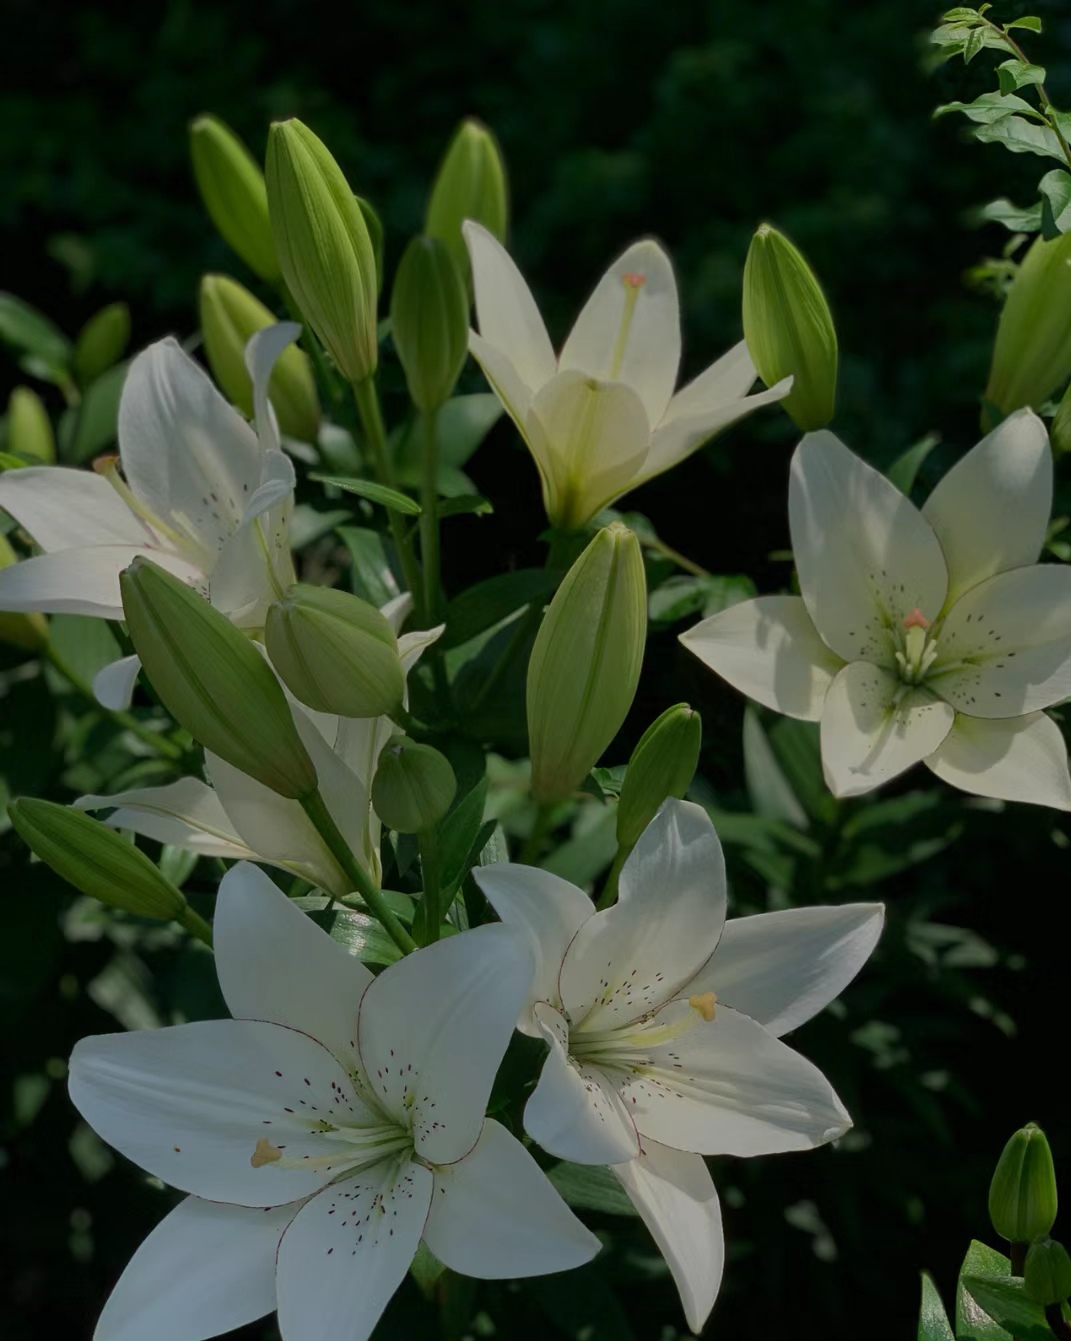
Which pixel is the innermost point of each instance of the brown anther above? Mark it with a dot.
(264, 1153)
(916, 620)
(704, 1004)
(104, 465)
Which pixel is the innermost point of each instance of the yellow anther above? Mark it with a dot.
(264, 1153)
(704, 1004)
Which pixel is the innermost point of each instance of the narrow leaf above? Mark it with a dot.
(375, 493)
(933, 1320)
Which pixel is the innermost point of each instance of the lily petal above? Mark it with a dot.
(68, 509)
(186, 813)
(507, 313)
(262, 353)
(728, 378)
(113, 685)
(506, 382)
(1011, 758)
(81, 581)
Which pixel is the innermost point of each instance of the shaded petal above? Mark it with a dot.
(205, 1269)
(781, 968)
(1012, 758)
(68, 509)
(412, 646)
(507, 313)
(495, 1215)
(190, 1103)
(629, 330)
(255, 563)
(874, 728)
(549, 910)
(397, 610)
(770, 650)
(628, 959)
(728, 1087)
(506, 382)
(186, 813)
(346, 1251)
(81, 581)
(113, 685)
(1005, 647)
(991, 511)
(728, 378)
(433, 1029)
(866, 556)
(575, 1111)
(675, 1195)
(262, 352)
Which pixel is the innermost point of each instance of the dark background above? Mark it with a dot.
(693, 121)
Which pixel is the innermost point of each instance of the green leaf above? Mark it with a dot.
(371, 575)
(487, 603)
(425, 1270)
(1021, 137)
(988, 107)
(933, 1320)
(31, 334)
(359, 933)
(1055, 188)
(90, 427)
(770, 791)
(8, 461)
(375, 493)
(1004, 1298)
(84, 644)
(591, 1187)
(974, 43)
(591, 849)
(960, 14)
(973, 1323)
(462, 834)
(461, 425)
(1015, 74)
(581, 1305)
(679, 597)
(1030, 21)
(460, 504)
(1012, 216)
(905, 468)
(308, 524)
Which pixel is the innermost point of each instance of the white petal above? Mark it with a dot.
(549, 910)
(254, 563)
(261, 355)
(187, 454)
(276, 964)
(575, 1111)
(412, 646)
(507, 313)
(186, 813)
(433, 1029)
(781, 968)
(347, 1251)
(113, 685)
(81, 581)
(728, 1087)
(991, 510)
(190, 1103)
(727, 379)
(1005, 647)
(629, 330)
(675, 1195)
(397, 611)
(866, 556)
(629, 959)
(871, 734)
(1013, 759)
(770, 650)
(205, 1269)
(505, 381)
(495, 1215)
(68, 509)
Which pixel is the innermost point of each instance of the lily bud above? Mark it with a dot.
(213, 681)
(662, 765)
(335, 652)
(789, 328)
(1047, 1273)
(430, 321)
(230, 316)
(586, 662)
(1022, 1195)
(413, 787)
(95, 859)
(324, 249)
(470, 184)
(29, 429)
(1032, 351)
(26, 631)
(101, 342)
(232, 188)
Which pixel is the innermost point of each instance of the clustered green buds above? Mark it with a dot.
(101, 342)
(213, 681)
(232, 188)
(1047, 1273)
(414, 786)
(29, 429)
(430, 321)
(230, 317)
(662, 765)
(30, 631)
(1032, 351)
(586, 661)
(789, 328)
(324, 248)
(1022, 1195)
(470, 184)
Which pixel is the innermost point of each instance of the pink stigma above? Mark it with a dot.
(634, 280)
(916, 620)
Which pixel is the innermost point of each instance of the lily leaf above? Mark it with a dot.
(375, 493)
(933, 1320)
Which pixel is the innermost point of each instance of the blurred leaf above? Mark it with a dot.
(425, 1270)
(30, 333)
(84, 644)
(177, 863)
(591, 1187)
(1013, 217)
(462, 834)
(770, 791)
(933, 1320)
(372, 576)
(309, 524)
(487, 603)
(591, 849)
(461, 425)
(375, 493)
(905, 468)
(90, 427)
(796, 745)
(463, 504)
(581, 1304)
(679, 597)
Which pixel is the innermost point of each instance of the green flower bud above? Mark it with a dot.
(29, 632)
(470, 184)
(213, 680)
(1022, 1195)
(29, 429)
(430, 321)
(95, 859)
(101, 342)
(662, 765)
(230, 316)
(586, 662)
(324, 249)
(1032, 351)
(335, 652)
(232, 187)
(1047, 1274)
(413, 787)
(789, 328)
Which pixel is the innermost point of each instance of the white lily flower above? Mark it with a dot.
(930, 636)
(663, 1024)
(601, 418)
(335, 1122)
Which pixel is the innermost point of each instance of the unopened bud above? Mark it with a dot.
(213, 681)
(586, 662)
(470, 184)
(662, 765)
(1022, 1195)
(232, 187)
(1047, 1274)
(29, 429)
(335, 652)
(430, 321)
(322, 241)
(413, 787)
(29, 631)
(101, 342)
(789, 329)
(1032, 351)
(230, 316)
(95, 859)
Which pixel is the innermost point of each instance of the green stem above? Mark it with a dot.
(609, 890)
(675, 556)
(195, 924)
(317, 811)
(430, 552)
(430, 911)
(534, 842)
(127, 720)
